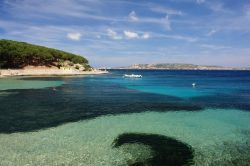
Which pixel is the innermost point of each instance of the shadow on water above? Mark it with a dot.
(166, 150)
(34, 109)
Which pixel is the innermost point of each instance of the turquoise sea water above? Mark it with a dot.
(18, 83)
(77, 120)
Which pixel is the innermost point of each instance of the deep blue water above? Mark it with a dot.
(221, 89)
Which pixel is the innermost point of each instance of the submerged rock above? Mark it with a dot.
(166, 151)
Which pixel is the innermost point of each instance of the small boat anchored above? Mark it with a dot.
(132, 75)
(194, 85)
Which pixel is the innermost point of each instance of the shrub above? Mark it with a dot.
(77, 67)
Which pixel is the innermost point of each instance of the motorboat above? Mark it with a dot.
(132, 75)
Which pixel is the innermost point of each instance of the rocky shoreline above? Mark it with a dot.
(47, 71)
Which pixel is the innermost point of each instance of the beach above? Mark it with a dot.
(46, 71)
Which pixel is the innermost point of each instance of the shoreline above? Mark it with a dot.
(47, 72)
(217, 69)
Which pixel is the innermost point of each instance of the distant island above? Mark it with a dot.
(21, 58)
(178, 66)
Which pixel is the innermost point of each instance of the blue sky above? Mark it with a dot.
(122, 32)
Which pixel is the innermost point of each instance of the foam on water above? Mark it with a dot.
(219, 137)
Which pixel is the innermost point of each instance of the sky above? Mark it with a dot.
(113, 33)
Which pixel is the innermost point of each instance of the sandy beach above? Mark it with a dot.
(42, 70)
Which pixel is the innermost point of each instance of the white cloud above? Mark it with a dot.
(200, 1)
(169, 11)
(214, 47)
(247, 11)
(112, 34)
(166, 23)
(74, 36)
(131, 35)
(133, 16)
(175, 37)
(76, 9)
(145, 36)
(217, 7)
(185, 38)
(210, 33)
(135, 35)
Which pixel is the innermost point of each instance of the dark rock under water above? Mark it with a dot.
(167, 151)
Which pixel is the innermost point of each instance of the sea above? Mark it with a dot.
(111, 120)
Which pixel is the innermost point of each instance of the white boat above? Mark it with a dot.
(132, 75)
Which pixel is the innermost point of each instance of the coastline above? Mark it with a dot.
(191, 69)
(47, 71)
(178, 66)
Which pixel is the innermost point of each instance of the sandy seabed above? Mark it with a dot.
(214, 135)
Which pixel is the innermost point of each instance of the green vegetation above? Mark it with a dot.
(15, 54)
(77, 67)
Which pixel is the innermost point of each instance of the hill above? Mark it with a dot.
(14, 54)
(179, 66)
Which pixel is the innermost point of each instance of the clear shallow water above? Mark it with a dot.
(18, 83)
(78, 122)
(217, 137)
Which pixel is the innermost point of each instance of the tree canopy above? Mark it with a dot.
(14, 54)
